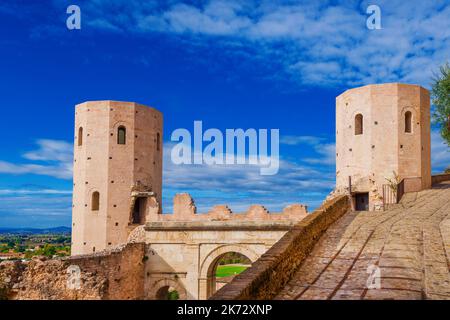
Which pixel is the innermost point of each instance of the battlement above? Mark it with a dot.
(184, 209)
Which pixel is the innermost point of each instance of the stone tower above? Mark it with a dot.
(381, 130)
(117, 165)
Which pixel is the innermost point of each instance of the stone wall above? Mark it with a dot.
(184, 254)
(412, 184)
(440, 178)
(113, 274)
(184, 209)
(275, 268)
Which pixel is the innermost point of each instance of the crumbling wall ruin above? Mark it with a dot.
(184, 209)
(108, 275)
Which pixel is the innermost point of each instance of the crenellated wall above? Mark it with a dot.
(184, 209)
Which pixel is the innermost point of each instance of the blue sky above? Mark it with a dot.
(231, 64)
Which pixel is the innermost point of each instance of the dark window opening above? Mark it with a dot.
(408, 122)
(95, 205)
(80, 136)
(139, 211)
(121, 135)
(158, 142)
(358, 124)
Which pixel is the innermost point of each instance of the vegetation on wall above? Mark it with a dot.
(233, 258)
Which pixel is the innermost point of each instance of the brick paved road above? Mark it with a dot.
(407, 247)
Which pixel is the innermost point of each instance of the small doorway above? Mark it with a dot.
(139, 211)
(362, 201)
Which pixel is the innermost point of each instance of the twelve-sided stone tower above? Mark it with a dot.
(117, 165)
(382, 129)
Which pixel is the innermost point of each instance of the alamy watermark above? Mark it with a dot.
(373, 22)
(73, 277)
(73, 22)
(228, 149)
(374, 279)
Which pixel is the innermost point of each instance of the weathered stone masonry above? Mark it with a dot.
(275, 268)
(112, 274)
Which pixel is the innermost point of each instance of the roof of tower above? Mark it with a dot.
(398, 84)
(116, 103)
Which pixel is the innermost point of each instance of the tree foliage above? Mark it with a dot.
(440, 94)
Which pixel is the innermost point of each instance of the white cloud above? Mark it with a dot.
(324, 42)
(296, 140)
(242, 185)
(440, 153)
(34, 192)
(325, 152)
(35, 205)
(55, 159)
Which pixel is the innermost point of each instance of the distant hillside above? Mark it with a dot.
(62, 230)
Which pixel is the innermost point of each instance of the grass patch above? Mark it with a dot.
(228, 270)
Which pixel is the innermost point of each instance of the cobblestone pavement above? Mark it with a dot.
(401, 253)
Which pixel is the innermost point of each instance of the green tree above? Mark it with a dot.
(48, 251)
(440, 94)
(173, 295)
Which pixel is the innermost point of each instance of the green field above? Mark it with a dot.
(228, 270)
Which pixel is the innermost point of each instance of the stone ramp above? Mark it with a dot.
(402, 253)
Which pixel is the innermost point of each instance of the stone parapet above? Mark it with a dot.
(232, 225)
(438, 178)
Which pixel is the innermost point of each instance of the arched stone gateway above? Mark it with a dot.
(209, 265)
(184, 254)
(161, 288)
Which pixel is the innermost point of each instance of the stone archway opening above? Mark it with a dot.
(224, 268)
(167, 293)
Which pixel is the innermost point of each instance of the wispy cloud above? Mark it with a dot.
(52, 158)
(239, 186)
(23, 209)
(34, 192)
(440, 152)
(35, 206)
(325, 151)
(316, 42)
(297, 140)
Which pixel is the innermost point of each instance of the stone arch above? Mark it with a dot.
(122, 135)
(220, 250)
(167, 282)
(115, 130)
(411, 112)
(350, 118)
(209, 264)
